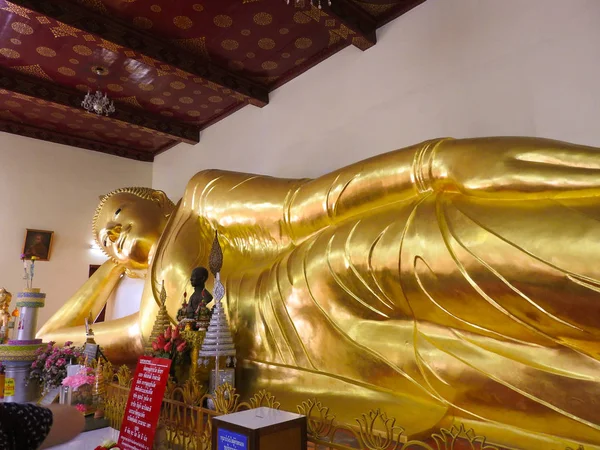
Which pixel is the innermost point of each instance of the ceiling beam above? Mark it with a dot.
(43, 134)
(120, 33)
(35, 87)
(356, 19)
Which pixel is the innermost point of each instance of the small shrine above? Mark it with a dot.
(218, 342)
(17, 353)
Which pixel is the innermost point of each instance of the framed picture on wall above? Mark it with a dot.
(38, 243)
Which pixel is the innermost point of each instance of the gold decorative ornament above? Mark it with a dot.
(263, 18)
(223, 21)
(449, 282)
(161, 323)
(187, 425)
(9, 53)
(230, 44)
(46, 51)
(66, 71)
(177, 85)
(269, 65)
(183, 22)
(21, 28)
(82, 50)
(303, 43)
(301, 18)
(266, 43)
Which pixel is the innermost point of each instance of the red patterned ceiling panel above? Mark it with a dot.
(174, 66)
(20, 108)
(263, 40)
(45, 48)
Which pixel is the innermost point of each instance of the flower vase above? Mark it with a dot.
(65, 395)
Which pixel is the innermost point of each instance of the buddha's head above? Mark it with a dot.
(128, 224)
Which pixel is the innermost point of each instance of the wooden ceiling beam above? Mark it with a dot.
(43, 134)
(357, 20)
(118, 32)
(37, 88)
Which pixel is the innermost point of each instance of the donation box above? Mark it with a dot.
(259, 429)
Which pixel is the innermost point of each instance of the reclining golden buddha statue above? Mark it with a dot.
(452, 281)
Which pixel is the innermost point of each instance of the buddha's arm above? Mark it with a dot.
(514, 168)
(92, 296)
(503, 167)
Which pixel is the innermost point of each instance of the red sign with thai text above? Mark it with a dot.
(143, 406)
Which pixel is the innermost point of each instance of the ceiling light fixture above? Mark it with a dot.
(98, 103)
(300, 3)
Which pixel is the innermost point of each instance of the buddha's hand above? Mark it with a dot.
(510, 167)
(90, 298)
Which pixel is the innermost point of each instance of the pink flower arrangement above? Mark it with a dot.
(76, 381)
(50, 365)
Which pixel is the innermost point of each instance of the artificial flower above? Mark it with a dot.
(81, 408)
(76, 381)
(50, 366)
(171, 345)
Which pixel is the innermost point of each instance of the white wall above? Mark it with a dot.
(55, 187)
(460, 68)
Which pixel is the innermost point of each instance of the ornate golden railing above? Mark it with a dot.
(185, 424)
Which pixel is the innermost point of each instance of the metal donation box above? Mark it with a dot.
(259, 429)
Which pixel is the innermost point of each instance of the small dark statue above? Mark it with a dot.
(195, 310)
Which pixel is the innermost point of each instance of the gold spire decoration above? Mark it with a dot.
(99, 391)
(215, 259)
(162, 320)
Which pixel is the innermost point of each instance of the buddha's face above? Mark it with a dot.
(128, 228)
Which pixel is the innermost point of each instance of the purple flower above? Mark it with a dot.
(68, 343)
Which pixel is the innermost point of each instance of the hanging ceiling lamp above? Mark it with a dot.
(300, 3)
(98, 103)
